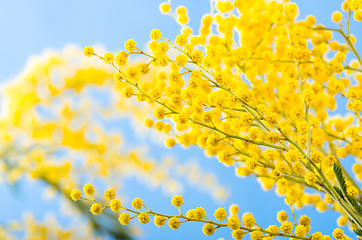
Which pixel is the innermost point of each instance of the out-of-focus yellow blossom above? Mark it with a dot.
(115, 205)
(76, 194)
(96, 208)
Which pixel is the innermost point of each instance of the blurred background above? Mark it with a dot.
(30, 27)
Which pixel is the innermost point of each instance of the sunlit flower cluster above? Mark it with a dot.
(255, 87)
(239, 225)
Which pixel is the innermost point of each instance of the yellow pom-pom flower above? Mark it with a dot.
(88, 189)
(358, 15)
(130, 45)
(127, 91)
(137, 203)
(208, 229)
(234, 222)
(124, 218)
(300, 231)
(155, 34)
(256, 235)
(115, 205)
(286, 227)
(143, 218)
(181, 40)
(342, 221)
(96, 208)
(108, 57)
(148, 122)
(337, 17)
(170, 142)
(174, 223)
(177, 201)
(117, 77)
(165, 8)
(282, 216)
(88, 51)
(238, 234)
(76, 194)
(338, 234)
(220, 214)
(310, 178)
(248, 220)
(352, 191)
(109, 194)
(159, 221)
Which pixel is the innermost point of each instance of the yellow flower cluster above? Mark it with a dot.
(239, 226)
(254, 87)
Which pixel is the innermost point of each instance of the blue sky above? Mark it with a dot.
(28, 27)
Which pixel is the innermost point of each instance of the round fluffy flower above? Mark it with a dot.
(317, 236)
(358, 15)
(148, 122)
(155, 34)
(338, 233)
(354, 5)
(300, 231)
(170, 142)
(108, 57)
(238, 234)
(117, 77)
(199, 213)
(208, 229)
(310, 178)
(124, 218)
(352, 191)
(159, 221)
(273, 229)
(109, 194)
(337, 17)
(96, 208)
(127, 91)
(88, 189)
(88, 51)
(137, 203)
(143, 217)
(165, 7)
(286, 227)
(115, 205)
(304, 220)
(174, 223)
(282, 216)
(177, 201)
(220, 214)
(130, 45)
(317, 156)
(212, 141)
(121, 58)
(76, 194)
(248, 220)
(181, 40)
(234, 222)
(342, 221)
(256, 235)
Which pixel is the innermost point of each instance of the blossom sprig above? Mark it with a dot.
(240, 225)
(309, 179)
(255, 94)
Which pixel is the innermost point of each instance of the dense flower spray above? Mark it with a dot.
(254, 87)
